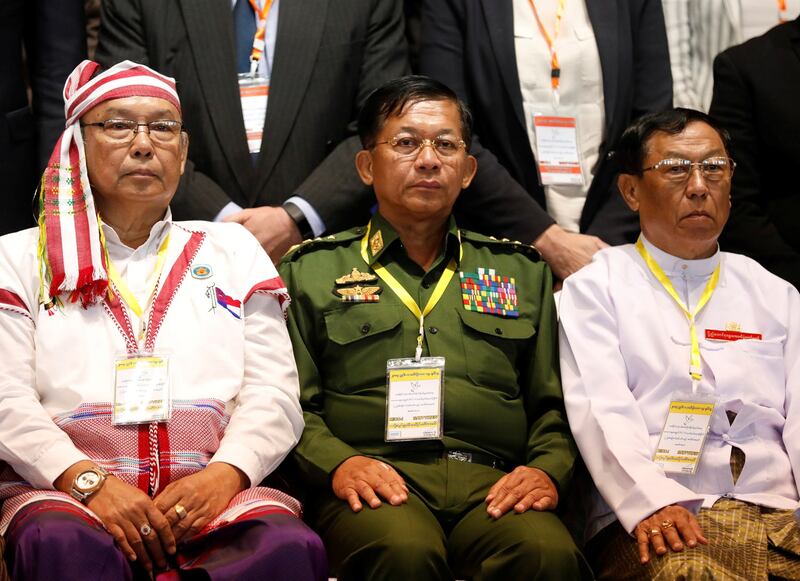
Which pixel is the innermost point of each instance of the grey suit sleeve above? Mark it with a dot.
(334, 188)
(123, 36)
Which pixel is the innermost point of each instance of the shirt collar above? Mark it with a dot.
(118, 250)
(382, 236)
(675, 266)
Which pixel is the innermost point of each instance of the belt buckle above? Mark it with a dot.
(459, 456)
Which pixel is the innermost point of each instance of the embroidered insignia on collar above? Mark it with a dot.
(487, 292)
(376, 243)
(356, 276)
(202, 271)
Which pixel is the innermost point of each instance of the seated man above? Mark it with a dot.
(428, 370)
(681, 365)
(147, 385)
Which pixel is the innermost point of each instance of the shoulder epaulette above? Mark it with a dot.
(314, 243)
(526, 249)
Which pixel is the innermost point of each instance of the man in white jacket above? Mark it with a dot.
(680, 364)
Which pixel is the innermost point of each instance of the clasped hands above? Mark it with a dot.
(360, 478)
(146, 530)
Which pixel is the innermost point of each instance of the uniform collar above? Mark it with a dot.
(117, 250)
(675, 266)
(382, 236)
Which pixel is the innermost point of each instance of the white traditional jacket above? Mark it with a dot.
(625, 349)
(217, 315)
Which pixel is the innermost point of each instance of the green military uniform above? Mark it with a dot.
(502, 404)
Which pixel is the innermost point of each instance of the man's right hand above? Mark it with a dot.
(124, 509)
(360, 477)
(566, 252)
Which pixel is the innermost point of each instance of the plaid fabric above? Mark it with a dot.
(190, 439)
(746, 543)
(3, 569)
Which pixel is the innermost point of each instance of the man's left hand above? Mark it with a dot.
(523, 489)
(203, 496)
(272, 227)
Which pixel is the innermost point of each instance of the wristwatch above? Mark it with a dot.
(88, 482)
(296, 214)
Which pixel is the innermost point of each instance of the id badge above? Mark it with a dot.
(557, 152)
(414, 402)
(254, 93)
(141, 389)
(684, 435)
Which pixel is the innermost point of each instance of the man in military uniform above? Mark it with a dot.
(429, 370)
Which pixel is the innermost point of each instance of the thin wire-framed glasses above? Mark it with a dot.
(124, 130)
(713, 169)
(408, 145)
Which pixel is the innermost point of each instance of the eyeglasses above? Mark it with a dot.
(713, 169)
(124, 130)
(407, 146)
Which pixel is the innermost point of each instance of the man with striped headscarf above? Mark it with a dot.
(131, 443)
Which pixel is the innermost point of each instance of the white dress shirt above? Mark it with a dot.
(625, 350)
(580, 91)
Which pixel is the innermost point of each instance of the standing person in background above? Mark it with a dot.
(519, 62)
(40, 43)
(756, 91)
(284, 169)
(698, 32)
(758, 16)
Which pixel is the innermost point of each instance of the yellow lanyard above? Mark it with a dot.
(555, 68)
(403, 294)
(125, 292)
(695, 369)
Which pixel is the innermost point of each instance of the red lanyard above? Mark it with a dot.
(781, 10)
(258, 40)
(555, 69)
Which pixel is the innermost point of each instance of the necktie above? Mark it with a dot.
(244, 25)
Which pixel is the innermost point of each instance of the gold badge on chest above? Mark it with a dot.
(357, 287)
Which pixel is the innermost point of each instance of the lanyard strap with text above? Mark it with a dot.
(258, 40)
(555, 68)
(695, 369)
(402, 293)
(124, 290)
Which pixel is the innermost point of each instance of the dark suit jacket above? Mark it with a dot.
(329, 55)
(53, 36)
(469, 45)
(756, 96)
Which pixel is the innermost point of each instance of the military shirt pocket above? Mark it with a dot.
(360, 340)
(493, 346)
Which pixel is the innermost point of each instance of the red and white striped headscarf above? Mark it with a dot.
(71, 248)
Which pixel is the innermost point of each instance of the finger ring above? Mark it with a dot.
(667, 524)
(654, 532)
(145, 529)
(180, 511)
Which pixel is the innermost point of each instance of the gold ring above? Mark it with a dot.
(180, 511)
(667, 524)
(654, 532)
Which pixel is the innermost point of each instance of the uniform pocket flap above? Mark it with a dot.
(354, 322)
(497, 326)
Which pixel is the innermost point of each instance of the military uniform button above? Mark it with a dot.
(433, 330)
(365, 328)
(499, 331)
(426, 284)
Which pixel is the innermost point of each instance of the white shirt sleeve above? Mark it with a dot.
(603, 412)
(30, 442)
(267, 421)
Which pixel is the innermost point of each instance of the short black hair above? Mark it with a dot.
(393, 97)
(632, 148)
